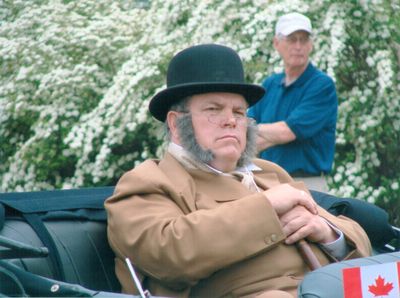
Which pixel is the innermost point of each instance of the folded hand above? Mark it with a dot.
(300, 223)
(285, 197)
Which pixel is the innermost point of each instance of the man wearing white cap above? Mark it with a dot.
(297, 115)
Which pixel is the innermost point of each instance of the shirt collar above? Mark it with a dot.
(302, 78)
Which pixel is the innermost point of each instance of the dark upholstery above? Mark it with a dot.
(77, 229)
(86, 258)
(373, 219)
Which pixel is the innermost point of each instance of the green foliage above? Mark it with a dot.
(76, 78)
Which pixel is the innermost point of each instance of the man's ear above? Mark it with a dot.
(311, 47)
(172, 117)
(275, 42)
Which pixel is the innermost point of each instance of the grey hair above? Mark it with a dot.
(180, 106)
(189, 142)
(250, 151)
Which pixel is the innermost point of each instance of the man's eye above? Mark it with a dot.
(240, 113)
(211, 109)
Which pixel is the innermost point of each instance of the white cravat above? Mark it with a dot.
(247, 178)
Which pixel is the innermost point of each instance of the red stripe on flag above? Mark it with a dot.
(352, 283)
(398, 274)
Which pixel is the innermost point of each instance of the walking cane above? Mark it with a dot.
(308, 255)
(306, 252)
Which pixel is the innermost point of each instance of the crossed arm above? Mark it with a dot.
(271, 134)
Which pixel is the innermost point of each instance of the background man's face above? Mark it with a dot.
(220, 123)
(294, 49)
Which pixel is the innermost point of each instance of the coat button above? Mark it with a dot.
(271, 239)
(267, 240)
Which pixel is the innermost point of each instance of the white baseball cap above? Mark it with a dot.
(291, 22)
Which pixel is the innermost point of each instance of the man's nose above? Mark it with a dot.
(228, 118)
(298, 43)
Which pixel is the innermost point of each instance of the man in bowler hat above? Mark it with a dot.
(208, 219)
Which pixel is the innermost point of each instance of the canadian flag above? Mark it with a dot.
(381, 280)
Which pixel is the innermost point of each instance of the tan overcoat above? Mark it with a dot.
(198, 234)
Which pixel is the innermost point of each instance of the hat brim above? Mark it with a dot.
(291, 29)
(162, 101)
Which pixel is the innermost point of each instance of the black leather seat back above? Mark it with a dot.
(77, 233)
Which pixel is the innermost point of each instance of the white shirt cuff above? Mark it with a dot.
(337, 248)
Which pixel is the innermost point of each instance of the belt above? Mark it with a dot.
(301, 173)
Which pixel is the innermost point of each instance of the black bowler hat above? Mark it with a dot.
(202, 69)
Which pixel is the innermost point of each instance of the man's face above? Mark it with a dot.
(294, 49)
(220, 125)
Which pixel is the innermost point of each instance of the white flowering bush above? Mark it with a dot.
(76, 78)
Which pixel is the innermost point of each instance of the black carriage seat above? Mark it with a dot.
(71, 224)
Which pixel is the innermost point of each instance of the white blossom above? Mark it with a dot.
(76, 78)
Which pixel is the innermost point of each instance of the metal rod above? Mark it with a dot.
(135, 278)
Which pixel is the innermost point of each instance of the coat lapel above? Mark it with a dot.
(183, 184)
(266, 180)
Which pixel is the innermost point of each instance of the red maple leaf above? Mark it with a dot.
(380, 288)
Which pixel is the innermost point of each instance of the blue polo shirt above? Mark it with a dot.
(309, 107)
